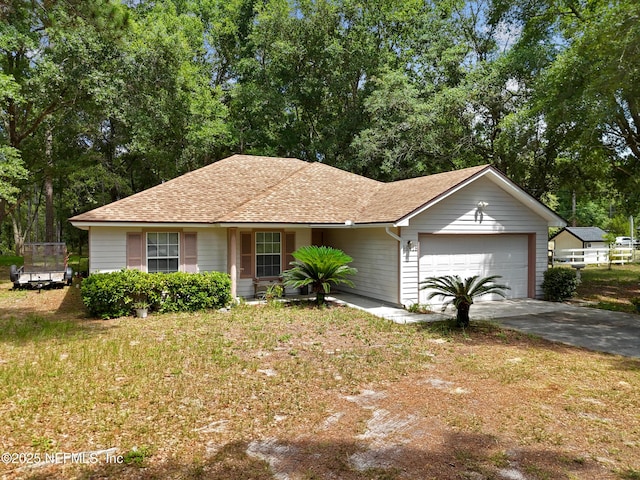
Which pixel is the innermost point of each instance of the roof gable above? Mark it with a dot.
(253, 189)
(396, 201)
(451, 182)
(585, 234)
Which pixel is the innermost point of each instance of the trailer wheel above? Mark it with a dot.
(68, 275)
(13, 274)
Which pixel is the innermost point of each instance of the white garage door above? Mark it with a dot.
(467, 255)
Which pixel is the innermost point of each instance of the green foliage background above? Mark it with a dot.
(103, 99)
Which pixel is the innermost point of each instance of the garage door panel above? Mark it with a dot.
(467, 255)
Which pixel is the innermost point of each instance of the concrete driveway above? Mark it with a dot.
(599, 330)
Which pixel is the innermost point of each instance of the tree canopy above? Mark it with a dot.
(102, 99)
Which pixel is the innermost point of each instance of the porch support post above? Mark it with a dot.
(233, 270)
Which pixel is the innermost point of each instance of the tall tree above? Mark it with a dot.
(587, 90)
(436, 110)
(301, 85)
(47, 53)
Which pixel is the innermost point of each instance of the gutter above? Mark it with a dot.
(392, 235)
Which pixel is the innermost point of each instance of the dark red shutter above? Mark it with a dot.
(246, 255)
(134, 251)
(289, 248)
(190, 259)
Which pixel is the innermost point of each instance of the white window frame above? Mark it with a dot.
(268, 245)
(169, 253)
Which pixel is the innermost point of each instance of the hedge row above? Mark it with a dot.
(116, 294)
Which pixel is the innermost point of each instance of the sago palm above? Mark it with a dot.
(319, 267)
(461, 293)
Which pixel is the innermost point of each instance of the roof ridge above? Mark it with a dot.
(368, 203)
(379, 184)
(264, 193)
(479, 168)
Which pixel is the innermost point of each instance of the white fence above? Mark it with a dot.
(592, 256)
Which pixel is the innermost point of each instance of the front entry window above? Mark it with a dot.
(268, 254)
(163, 252)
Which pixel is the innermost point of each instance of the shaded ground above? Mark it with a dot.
(611, 288)
(288, 393)
(47, 303)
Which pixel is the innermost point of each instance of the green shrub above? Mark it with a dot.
(189, 292)
(111, 295)
(559, 284)
(319, 267)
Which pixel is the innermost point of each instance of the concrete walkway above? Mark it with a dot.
(600, 330)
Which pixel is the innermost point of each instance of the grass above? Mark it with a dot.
(611, 288)
(306, 393)
(8, 260)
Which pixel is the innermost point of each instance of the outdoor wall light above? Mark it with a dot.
(479, 216)
(409, 244)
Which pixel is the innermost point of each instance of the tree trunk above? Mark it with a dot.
(463, 314)
(320, 294)
(18, 236)
(49, 231)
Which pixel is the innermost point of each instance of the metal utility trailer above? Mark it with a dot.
(45, 265)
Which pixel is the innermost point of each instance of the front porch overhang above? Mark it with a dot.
(347, 224)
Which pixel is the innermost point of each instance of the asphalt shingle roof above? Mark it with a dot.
(587, 234)
(253, 189)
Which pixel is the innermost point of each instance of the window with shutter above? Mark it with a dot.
(163, 252)
(268, 254)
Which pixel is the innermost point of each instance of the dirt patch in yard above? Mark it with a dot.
(48, 302)
(287, 393)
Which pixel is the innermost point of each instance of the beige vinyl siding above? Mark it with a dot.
(456, 214)
(565, 240)
(212, 249)
(375, 255)
(108, 248)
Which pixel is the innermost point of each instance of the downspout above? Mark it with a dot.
(396, 237)
(391, 234)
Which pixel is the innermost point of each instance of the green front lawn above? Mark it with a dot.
(307, 393)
